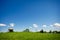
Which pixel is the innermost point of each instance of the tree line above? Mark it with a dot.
(41, 31)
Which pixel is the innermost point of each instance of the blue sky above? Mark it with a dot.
(25, 13)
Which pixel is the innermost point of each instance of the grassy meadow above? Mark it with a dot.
(29, 36)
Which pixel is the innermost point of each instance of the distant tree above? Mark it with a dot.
(54, 31)
(45, 32)
(26, 30)
(58, 32)
(41, 31)
(50, 31)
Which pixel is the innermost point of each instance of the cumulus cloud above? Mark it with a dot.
(35, 25)
(2, 24)
(44, 25)
(12, 24)
(56, 24)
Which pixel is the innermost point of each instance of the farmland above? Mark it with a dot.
(29, 36)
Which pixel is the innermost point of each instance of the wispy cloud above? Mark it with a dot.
(35, 25)
(44, 25)
(51, 25)
(30, 27)
(3, 25)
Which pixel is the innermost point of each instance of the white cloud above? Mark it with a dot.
(30, 27)
(56, 24)
(35, 25)
(38, 30)
(51, 25)
(44, 25)
(12, 24)
(2, 24)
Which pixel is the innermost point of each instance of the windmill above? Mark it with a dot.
(11, 27)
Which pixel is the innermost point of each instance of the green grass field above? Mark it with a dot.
(29, 36)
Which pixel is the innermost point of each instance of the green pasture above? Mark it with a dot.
(29, 36)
